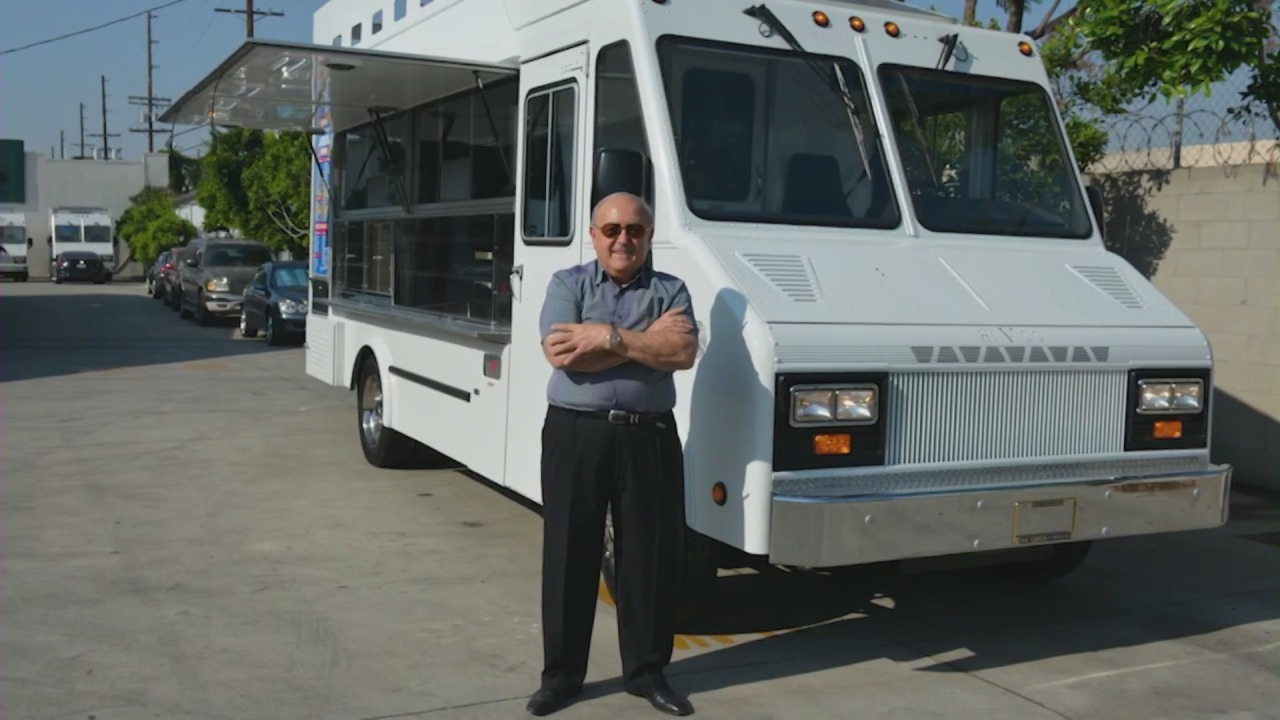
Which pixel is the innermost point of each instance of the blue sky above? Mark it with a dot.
(41, 88)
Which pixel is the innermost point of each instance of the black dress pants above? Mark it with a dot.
(588, 466)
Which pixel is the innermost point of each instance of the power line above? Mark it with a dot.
(92, 29)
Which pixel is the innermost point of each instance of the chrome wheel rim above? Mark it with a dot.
(244, 323)
(271, 328)
(371, 411)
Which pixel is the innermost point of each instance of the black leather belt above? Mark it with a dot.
(620, 417)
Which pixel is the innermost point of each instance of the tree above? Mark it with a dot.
(1120, 51)
(221, 189)
(151, 224)
(258, 183)
(279, 182)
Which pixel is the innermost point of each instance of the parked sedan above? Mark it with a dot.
(275, 302)
(77, 265)
(155, 280)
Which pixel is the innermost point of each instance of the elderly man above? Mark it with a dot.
(614, 330)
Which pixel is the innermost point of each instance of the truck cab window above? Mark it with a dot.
(619, 121)
(549, 162)
(983, 155)
(763, 138)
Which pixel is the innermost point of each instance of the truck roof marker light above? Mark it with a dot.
(892, 29)
(857, 24)
(1025, 48)
(820, 18)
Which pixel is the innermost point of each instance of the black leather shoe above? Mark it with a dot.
(663, 698)
(549, 700)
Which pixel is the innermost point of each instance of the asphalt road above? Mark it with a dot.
(188, 530)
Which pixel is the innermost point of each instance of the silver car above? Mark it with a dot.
(214, 274)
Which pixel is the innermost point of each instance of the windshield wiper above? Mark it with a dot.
(948, 49)
(766, 16)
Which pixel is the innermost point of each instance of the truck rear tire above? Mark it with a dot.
(382, 446)
(698, 570)
(1064, 560)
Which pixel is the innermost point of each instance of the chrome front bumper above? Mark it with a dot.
(827, 531)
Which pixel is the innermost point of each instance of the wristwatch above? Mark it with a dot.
(615, 338)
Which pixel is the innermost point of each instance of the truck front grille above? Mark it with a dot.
(974, 416)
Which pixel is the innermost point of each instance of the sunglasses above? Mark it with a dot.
(613, 230)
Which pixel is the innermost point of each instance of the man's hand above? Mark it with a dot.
(571, 344)
(672, 320)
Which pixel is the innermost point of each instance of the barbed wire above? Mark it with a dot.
(1198, 131)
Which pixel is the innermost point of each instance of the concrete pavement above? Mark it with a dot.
(188, 530)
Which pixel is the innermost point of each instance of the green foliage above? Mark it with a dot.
(279, 198)
(221, 190)
(259, 184)
(150, 224)
(1120, 51)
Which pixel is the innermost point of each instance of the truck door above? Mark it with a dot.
(551, 227)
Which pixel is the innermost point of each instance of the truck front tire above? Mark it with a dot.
(382, 446)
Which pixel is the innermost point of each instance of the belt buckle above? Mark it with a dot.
(622, 417)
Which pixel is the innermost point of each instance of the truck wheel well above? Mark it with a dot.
(365, 353)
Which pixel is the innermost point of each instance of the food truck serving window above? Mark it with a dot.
(762, 137)
(983, 155)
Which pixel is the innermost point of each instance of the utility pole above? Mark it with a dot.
(249, 15)
(150, 102)
(62, 145)
(106, 136)
(81, 132)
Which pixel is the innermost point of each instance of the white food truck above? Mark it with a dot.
(913, 341)
(15, 245)
(83, 229)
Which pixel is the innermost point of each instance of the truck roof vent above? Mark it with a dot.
(1110, 281)
(791, 275)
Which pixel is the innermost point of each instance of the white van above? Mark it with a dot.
(15, 244)
(914, 343)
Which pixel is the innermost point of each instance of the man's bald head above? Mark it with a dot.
(621, 230)
(623, 200)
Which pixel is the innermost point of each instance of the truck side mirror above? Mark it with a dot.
(619, 170)
(30, 242)
(1095, 201)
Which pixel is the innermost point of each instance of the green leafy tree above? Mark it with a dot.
(1119, 51)
(151, 224)
(258, 183)
(279, 182)
(221, 189)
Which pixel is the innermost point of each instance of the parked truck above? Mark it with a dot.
(914, 342)
(84, 229)
(15, 244)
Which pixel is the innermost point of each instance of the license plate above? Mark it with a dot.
(1042, 521)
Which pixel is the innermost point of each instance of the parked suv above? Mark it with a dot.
(213, 275)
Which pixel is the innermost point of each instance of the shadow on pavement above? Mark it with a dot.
(57, 333)
(1129, 592)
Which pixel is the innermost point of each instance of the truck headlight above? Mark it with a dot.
(21, 259)
(1170, 396)
(835, 405)
(218, 285)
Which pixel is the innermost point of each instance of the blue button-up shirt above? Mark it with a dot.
(586, 294)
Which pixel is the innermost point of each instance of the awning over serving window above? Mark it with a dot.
(270, 85)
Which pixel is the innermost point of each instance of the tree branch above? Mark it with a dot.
(1047, 26)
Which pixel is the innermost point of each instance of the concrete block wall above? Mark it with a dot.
(1209, 238)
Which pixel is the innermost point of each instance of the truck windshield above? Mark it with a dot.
(97, 233)
(67, 233)
(763, 138)
(15, 234)
(983, 155)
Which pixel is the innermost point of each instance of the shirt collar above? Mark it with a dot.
(641, 279)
